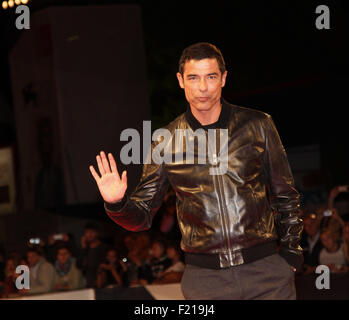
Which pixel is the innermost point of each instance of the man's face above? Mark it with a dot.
(157, 250)
(63, 256)
(32, 258)
(91, 235)
(310, 227)
(111, 256)
(327, 241)
(202, 82)
(171, 252)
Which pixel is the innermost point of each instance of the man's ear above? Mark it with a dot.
(224, 77)
(180, 80)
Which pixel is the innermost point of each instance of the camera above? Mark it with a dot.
(327, 213)
(34, 240)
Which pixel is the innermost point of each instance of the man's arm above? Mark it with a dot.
(136, 212)
(284, 197)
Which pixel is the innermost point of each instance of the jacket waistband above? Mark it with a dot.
(212, 261)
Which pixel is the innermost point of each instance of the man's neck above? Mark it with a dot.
(207, 117)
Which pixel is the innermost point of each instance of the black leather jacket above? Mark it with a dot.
(254, 202)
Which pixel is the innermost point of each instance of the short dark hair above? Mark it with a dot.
(92, 226)
(63, 246)
(36, 250)
(199, 51)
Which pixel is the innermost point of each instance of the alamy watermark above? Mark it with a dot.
(23, 20)
(177, 147)
(323, 20)
(323, 280)
(22, 281)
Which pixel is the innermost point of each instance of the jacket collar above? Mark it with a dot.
(222, 121)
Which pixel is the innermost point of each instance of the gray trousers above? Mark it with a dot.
(269, 278)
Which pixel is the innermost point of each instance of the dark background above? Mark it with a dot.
(277, 61)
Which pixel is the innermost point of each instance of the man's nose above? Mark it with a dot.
(202, 85)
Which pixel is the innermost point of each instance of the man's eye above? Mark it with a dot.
(212, 77)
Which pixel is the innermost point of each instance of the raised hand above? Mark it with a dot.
(110, 185)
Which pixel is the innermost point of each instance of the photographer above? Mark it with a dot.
(92, 253)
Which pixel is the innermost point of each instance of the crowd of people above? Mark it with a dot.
(148, 257)
(59, 265)
(325, 238)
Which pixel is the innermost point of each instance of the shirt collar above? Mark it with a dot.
(222, 121)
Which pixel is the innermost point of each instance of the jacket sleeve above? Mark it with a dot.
(284, 197)
(136, 212)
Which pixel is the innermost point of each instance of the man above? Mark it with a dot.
(67, 275)
(41, 273)
(92, 253)
(229, 224)
(311, 243)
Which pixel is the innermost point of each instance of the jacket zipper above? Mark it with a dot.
(221, 196)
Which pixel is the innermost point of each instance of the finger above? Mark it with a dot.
(105, 162)
(95, 174)
(113, 165)
(100, 165)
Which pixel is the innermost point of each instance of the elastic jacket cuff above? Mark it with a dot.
(117, 206)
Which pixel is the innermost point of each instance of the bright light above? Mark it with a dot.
(17, 2)
(24, 1)
(4, 4)
(11, 3)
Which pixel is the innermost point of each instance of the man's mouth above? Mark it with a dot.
(203, 99)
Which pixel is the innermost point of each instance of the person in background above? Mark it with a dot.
(158, 263)
(67, 276)
(335, 191)
(56, 240)
(331, 220)
(42, 273)
(332, 254)
(173, 273)
(135, 267)
(138, 258)
(93, 251)
(143, 244)
(110, 272)
(8, 284)
(311, 242)
(130, 241)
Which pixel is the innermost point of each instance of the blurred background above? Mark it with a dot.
(86, 70)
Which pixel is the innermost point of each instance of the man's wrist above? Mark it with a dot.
(115, 206)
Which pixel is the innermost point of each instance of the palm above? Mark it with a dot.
(110, 185)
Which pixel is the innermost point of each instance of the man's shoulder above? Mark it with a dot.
(243, 112)
(247, 112)
(46, 265)
(177, 123)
